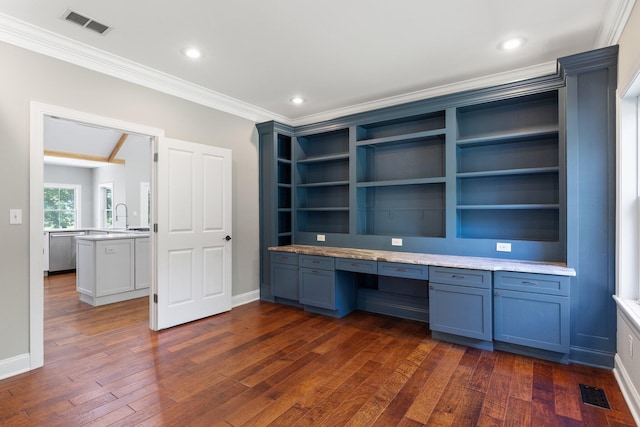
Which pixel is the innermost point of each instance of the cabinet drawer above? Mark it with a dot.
(527, 282)
(460, 277)
(408, 271)
(284, 258)
(357, 265)
(313, 261)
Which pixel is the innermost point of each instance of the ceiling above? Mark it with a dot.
(342, 56)
(83, 140)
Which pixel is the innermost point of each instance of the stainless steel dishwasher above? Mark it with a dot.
(62, 250)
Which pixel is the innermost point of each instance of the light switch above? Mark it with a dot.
(320, 237)
(396, 241)
(15, 216)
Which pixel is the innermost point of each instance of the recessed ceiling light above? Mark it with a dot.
(298, 100)
(512, 43)
(191, 52)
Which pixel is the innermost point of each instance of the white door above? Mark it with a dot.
(192, 278)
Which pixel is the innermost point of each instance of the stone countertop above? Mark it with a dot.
(114, 236)
(455, 261)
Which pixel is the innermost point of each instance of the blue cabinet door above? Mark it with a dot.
(284, 281)
(317, 288)
(460, 310)
(534, 320)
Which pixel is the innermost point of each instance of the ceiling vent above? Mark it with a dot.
(83, 21)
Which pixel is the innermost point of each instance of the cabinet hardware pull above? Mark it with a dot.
(457, 276)
(315, 271)
(355, 264)
(497, 294)
(529, 282)
(403, 270)
(316, 262)
(431, 287)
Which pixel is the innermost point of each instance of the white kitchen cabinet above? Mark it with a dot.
(106, 269)
(143, 263)
(45, 252)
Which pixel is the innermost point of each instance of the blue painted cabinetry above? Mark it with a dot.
(530, 163)
(323, 289)
(460, 302)
(532, 310)
(284, 276)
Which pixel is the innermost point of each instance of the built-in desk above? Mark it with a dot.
(520, 306)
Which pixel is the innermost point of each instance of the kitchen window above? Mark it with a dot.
(61, 206)
(145, 204)
(106, 204)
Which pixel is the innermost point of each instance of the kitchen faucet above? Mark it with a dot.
(126, 214)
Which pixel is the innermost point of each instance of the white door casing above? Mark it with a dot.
(193, 213)
(39, 111)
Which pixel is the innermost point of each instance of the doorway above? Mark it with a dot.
(39, 112)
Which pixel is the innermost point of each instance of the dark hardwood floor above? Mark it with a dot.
(266, 364)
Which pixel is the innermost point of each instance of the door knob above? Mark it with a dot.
(227, 238)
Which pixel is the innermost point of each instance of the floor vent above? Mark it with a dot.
(88, 23)
(594, 396)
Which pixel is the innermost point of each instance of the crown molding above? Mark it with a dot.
(36, 39)
(520, 74)
(28, 36)
(615, 18)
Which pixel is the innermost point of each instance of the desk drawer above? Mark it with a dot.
(318, 262)
(460, 277)
(408, 271)
(528, 282)
(357, 265)
(284, 258)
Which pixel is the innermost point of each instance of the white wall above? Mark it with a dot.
(627, 362)
(58, 174)
(26, 76)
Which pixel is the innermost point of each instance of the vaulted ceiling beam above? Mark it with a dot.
(118, 146)
(83, 157)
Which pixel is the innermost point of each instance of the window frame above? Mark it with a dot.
(77, 202)
(145, 204)
(102, 188)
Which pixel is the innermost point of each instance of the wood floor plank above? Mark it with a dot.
(269, 364)
(426, 401)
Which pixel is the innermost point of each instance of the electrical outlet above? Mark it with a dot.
(320, 237)
(396, 242)
(503, 247)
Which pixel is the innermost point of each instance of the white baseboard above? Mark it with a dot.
(630, 393)
(15, 365)
(245, 298)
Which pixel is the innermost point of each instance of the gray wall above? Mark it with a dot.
(26, 76)
(57, 174)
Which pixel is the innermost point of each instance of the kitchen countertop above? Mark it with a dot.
(114, 236)
(436, 260)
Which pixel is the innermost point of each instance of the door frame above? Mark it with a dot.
(38, 112)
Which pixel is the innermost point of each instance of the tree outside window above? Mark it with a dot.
(61, 206)
(106, 204)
